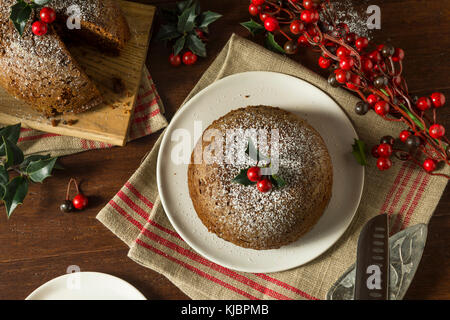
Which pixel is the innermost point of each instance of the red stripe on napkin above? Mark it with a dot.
(197, 271)
(136, 208)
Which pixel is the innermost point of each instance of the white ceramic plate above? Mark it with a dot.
(289, 93)
(86, 286)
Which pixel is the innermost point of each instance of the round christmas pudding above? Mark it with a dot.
(260, 177)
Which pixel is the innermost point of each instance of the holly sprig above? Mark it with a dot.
(34, 168)
(186, 27)
(270, 43)
(255, 154)
(21, 12)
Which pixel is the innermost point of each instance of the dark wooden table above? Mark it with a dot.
(39, 242)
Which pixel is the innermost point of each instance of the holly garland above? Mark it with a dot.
(21, 13)
(34, 168)
(186, 30)
(373, 72)
(252, 175)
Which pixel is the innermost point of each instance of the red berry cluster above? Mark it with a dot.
(262, 183)
(47, 15)
(383, 152)
(372, 71)
(79, 202)
(188, 58)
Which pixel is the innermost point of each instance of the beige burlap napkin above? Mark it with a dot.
(135, 214)
(147, 118)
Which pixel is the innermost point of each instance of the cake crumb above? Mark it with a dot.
(70, 122)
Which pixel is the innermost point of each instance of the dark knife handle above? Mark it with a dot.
(372, 262)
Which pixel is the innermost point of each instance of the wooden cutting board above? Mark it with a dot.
(109, 121)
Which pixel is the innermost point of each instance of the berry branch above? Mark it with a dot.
(375, 75)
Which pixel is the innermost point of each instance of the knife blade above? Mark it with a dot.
(372, 260)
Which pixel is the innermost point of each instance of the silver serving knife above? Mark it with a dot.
(372, 260)
(405, 252)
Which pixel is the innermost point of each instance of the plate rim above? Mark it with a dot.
(159, 170)
(89, 273)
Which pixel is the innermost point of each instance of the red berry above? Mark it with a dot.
(344, 27)
(258, 2)
(375, 56)
(347, 63)
(253, 10)
(385, 150)
(429, 165)
(324, 63)
(367, 64)
(263, 16)
(342, 76)
(47, 15)
(382, 108)
(372, 99)
(189, 58)
(264, 185)
(361, 43)
(80, 201)
(423, 103)
(437, 99)
(436, 131)
(342, 52)
(303, 41)
(254, 174)
(404, 135)
(375, 151)
(39, 28)
(309, 4)
(271, 24)
(297, 27)
(399, 55)
(384, 163)
(350, 37)
(354, 83)
(175, 60)
(307, 16)
(397, 80)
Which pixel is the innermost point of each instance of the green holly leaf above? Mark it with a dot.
(253, 26)
(39, 170)
(20, 14)
(196, 45)
(183, 5)
(167, 32)
(359, 151)
(33, 158)
(14, 155)
(253, 152)
(242, 178)
(4, 179)
(15, 192)
(271, 43)
(186, 21)
(206, 18)
(277, 181)
(179, 45)
(11, 133)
